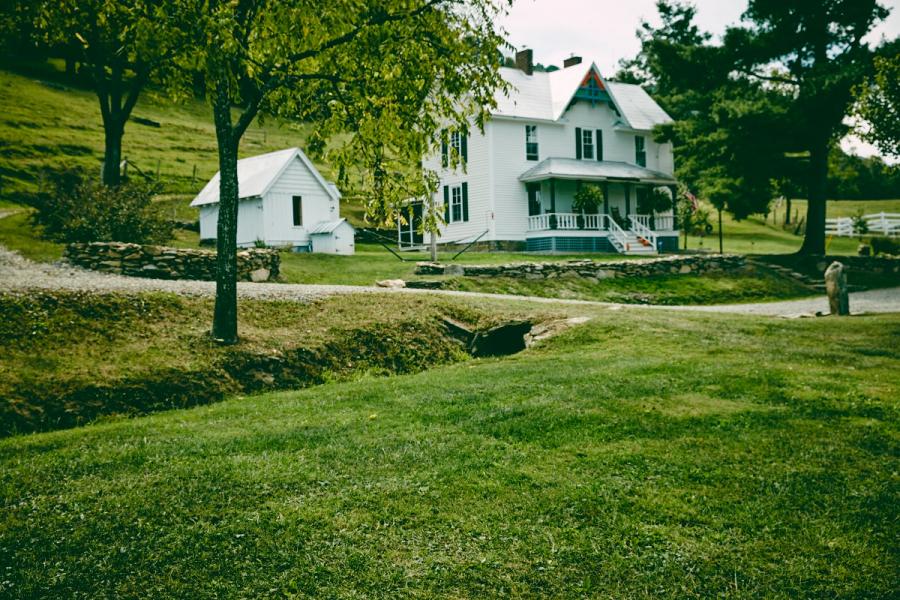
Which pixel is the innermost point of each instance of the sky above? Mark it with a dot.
(603, 31)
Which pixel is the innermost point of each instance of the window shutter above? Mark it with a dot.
(446, 203)
(599, 144)
(465, 200)
(465, 147)
(444, 154)
(578, 143)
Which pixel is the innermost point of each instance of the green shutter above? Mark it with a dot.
(445, 155)
(599, 145)
(465, 200)
(446, 203)
(578, 143)
(464, 145)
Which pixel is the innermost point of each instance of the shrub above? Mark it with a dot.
(885, 245)
(79, 209)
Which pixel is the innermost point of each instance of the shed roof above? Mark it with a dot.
(547, 95)
(570, 168)
(325, 227)
(257, 174)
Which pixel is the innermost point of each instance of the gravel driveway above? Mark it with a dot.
(18, 273)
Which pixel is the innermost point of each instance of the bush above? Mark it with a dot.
(885, 245)
(79, 209)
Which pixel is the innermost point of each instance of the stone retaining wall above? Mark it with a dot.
(696, 264)
(161, 262)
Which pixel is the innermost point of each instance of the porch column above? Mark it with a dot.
(627, 204)
(553, 195)
(606, 199)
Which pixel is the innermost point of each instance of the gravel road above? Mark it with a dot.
(18, 273)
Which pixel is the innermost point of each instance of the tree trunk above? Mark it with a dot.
(112, 157)
(814, 240)
(787, 213)
(224, 328)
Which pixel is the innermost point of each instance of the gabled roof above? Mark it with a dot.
(546, 96)
(257, 174)
(323, 227)
(586, 170)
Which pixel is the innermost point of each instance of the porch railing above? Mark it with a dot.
(567, 221)
(656, 223)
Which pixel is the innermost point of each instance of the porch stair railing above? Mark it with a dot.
(640, 227)
(618, 237)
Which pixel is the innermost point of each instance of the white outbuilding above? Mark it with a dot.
(284, 202)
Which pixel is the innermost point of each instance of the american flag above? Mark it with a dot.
(694, 202)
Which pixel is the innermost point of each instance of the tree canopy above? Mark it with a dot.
(878, 101)
(379, 80)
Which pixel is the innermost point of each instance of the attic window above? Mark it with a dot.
(592, 89)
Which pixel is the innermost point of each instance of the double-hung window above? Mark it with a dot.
(456, 204)
(640, 150)
(531, 142)
(456, 143)
(587, 144)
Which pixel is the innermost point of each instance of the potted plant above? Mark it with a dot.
(587, 200)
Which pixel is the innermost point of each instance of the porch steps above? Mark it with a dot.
(634, 244)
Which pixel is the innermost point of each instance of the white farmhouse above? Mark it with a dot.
(284, 202)
(551, 134)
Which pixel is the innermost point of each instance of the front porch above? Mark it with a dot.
(624, 221)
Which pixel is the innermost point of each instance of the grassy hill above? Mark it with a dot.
(645, 454)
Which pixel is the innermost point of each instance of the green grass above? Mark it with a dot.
(45, 129)
(642, 455)
(662, 289)
(756, 235)
(17, 233)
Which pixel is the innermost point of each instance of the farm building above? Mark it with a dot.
(284, 202)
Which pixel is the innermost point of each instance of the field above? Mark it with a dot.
(644, 454)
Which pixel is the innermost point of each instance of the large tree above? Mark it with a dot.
(814, 49)
(380, 77)
(878, 101)
(122, 44)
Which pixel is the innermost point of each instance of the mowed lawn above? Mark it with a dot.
(644, 454)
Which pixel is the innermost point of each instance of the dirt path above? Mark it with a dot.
(20, 274)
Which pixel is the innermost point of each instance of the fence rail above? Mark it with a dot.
(878, 223)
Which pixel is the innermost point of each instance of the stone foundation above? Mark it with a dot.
(697, 265)
(161, 262)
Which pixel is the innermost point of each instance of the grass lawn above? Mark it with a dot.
(17, 233)
(643, 455)
(757, 235)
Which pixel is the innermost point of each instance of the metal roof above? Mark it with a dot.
(546, 96)
(570, 168)
(258, 173)
(323, 227)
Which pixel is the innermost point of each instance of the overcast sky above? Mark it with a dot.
(603, 31)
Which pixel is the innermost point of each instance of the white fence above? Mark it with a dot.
(878, 224)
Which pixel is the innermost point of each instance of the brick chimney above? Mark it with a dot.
(571, 62)
(525, 61)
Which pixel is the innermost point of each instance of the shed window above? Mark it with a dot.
(587, 144)
(298, 210)
(531, 142)
(640, 150)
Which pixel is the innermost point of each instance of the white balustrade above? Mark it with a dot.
(567, 221)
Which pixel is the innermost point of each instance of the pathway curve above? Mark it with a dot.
(20, 274)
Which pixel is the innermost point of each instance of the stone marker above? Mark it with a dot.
(836, 288)
(391, 283)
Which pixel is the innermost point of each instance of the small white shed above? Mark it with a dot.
(333, 237)
(283, 199)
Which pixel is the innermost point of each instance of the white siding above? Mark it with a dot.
(498, 201)
(339, 241)
(250, 222)
(295, 180)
